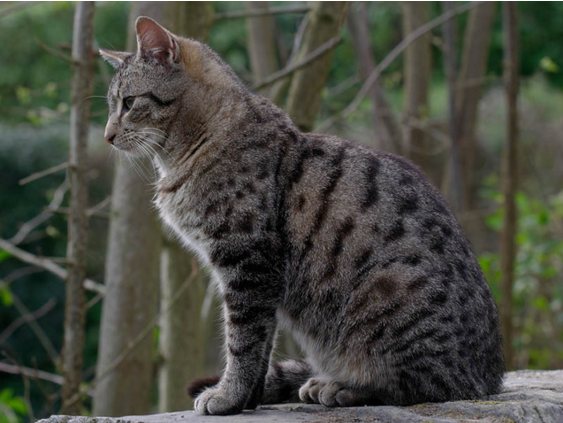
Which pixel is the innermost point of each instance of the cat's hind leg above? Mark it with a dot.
(331, 393)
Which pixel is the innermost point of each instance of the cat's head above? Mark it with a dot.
(165, 79)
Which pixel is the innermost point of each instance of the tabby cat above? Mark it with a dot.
(349, 249)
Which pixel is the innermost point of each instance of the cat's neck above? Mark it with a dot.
(215, 121)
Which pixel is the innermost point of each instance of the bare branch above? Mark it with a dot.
(43, 173)
(399, 48)
(30, 225)
(54, 52)
(15, 7)
(254, 13)
(66, 211)
(315, 54)
(26, 318)
(34, 373)
(20, 273)
(48, 265)
(38, 331)
(95, 210)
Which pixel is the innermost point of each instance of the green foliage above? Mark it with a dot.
(6, 297)
(537, 289)
(12, 409)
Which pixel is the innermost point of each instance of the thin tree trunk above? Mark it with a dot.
(469, 89)
(132, 273)
(387, 134)
(82, 86)
(304, 98)
(509, 174)
(417, 81)
(181, 341)
(261, 43)
(454, 183)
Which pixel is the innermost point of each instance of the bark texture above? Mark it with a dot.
(304, 98)
(82, 86)
(387, 134)
(132, 272)
(509, 174)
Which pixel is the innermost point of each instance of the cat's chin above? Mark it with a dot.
(129, 150)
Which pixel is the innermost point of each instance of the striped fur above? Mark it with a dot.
(349, 249)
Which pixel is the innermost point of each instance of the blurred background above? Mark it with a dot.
(471, 92)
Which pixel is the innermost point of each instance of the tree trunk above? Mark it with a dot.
(387, 134)
(454, 182)
(132, 281)
(261, 43)
(181, 341)
(509, 174)
(304, 98)
(417, 81)
(469, 89)
(82, 87)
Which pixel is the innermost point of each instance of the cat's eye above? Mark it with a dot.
(128, 103)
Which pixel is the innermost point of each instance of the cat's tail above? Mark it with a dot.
(283, 381)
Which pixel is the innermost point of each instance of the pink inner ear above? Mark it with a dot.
(153, 38)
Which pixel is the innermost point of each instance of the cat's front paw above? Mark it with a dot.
(217, 402)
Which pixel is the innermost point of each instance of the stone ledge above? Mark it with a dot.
(528, 397)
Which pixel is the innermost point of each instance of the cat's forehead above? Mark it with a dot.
(137, 77)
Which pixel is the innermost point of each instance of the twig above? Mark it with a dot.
(251, 14)
(15, 7)
(298, 38)
(95, 210)
(399, 48)
(26, 398)
(37, 374)
(55, 52)
(26, 318)
(30, 225)
(43, 173)
(20, 273)
(48, 265)
(38, 331)
(66, 211)
(276, 76)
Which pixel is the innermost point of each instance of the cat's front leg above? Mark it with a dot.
(250, 302)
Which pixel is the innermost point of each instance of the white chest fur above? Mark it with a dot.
(178, 215)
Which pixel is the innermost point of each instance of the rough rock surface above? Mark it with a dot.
(528, 397)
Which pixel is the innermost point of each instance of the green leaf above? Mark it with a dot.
(6, 298)
(548, 65)
(541, 303)
(4, 255)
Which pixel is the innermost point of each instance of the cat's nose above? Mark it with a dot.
(109, 136)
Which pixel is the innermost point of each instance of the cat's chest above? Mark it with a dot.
(182, 215)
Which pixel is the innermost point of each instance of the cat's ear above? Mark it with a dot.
(114, 58)
(156, 40)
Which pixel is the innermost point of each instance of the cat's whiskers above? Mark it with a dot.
(156, 133)
(147, 150)
(138, 165)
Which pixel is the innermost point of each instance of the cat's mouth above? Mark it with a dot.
(140, 143)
